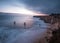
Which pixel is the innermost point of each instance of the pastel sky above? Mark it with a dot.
(44, 6)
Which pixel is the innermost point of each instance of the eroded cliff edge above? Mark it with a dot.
(54, 27)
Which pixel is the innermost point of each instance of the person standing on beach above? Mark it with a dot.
(14, 23)
(24, 24)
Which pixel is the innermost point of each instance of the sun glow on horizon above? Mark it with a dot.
(20, 11)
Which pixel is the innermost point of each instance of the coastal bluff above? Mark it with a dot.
(54, 27)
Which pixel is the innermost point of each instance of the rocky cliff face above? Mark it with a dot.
(54, 27)
(53, 18)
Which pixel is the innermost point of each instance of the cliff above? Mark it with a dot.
(54, 27)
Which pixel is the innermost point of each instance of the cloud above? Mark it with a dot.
(44, 6)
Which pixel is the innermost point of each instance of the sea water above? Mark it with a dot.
(16, 33)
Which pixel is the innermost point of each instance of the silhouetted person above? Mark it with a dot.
(14, 23)
(24, 24)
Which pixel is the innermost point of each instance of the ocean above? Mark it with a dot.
(13, 29)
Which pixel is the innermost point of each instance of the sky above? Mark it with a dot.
(40, 6)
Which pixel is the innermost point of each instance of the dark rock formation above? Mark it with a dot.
(53, 19)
